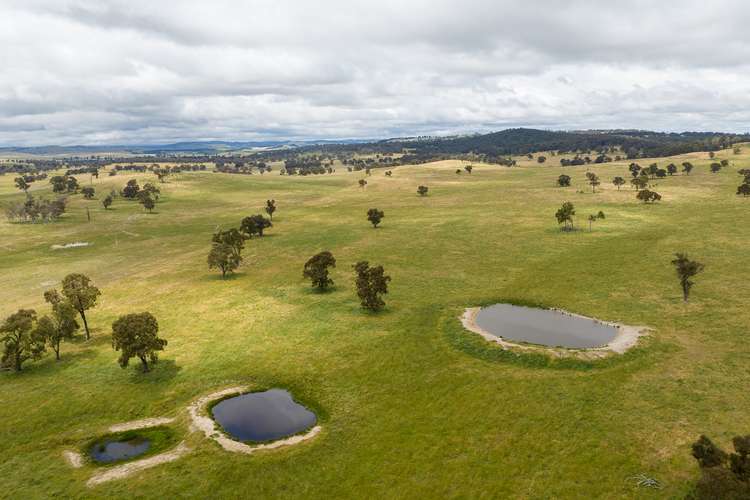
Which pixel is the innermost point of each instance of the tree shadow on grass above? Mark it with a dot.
(162, 371)
(219, 277)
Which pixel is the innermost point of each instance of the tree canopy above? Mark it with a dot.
(135, 335)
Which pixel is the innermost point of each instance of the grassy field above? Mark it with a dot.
(411, 405)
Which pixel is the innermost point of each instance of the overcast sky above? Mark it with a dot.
(155, 71)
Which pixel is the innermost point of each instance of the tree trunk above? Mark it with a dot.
(145, 364)
(85, 324)
(17, 366)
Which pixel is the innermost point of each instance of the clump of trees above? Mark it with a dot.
(371, 283)
(36, 210)
(375, 216)
(226, 251)
(316, 269)
(64, 184)
(422, 190)
(686, 270)
(563, 180)
(723, 475)
(131, 189)
(648, 196)
(136, 336)
(565, 215)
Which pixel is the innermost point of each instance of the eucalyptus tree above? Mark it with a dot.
(21, 341)
(565, 215)
(371, 284)
(375, 216)
(618, 182)
(136, 336)
(81, 294)
(316, 269)
(686, 270)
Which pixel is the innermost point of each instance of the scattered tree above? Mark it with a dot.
(81, 294)
(639, 183)
(618, 181)
(715, 168)
(647, 196)
(131, 189)
(20, 340)
(136, 336)
(686, 269)
(362, 183)
(635, 169)
(107, 201)
(594, 217)
(22, 184)
(375, 216)
(371, 283)
(224, 258)
(468, 168)
(270, 208)
(422, 190)
(541, 159)
(563, 180)
(255, 224)
(61, 325)
(671, 169)
(316, 269)
(458, 171)
(565, 215)
(743, 189)
(687, 167)
(88, 192)
(593, 180)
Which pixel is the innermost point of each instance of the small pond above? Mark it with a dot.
(262, 416)
(543, 326)
(115, 451)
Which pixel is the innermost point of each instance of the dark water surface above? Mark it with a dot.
(543, 326)
(263, 416)
(114, 451)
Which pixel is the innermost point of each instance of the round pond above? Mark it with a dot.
(115, 451)
(262, 416)
(544, 326)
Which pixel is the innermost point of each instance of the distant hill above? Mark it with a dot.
(523, 141)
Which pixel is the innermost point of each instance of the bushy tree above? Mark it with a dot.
(469, 168)
(743, 189)
(371, 283)
(671, 169)
(723, 475)
(715, 168)
(135, 335)
(541, 159)
(147, 202)
(60, 325)
(686, 269)
(316, 269)
(88, 192)
(647, 196)
(563, 180)
(565, 215)
(131, 189)
(375, 216)
(422, 190)
(22, 183)
(635, 169)
(687, 167)
(226, 251)
(81, 294)
(618, 182)
(21, 341)
(270, 208)
(458, 171)
(107, 201)
(254, 224)
(362, 183)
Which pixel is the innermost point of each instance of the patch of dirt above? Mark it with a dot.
(140, 424)
(626, 338)
(125, 470)
(75, 244)
(202, 422)
(73, 458)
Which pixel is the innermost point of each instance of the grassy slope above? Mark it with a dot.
(405, 412)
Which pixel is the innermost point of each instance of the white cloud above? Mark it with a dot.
(135, 71)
